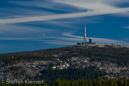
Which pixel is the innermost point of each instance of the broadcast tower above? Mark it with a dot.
(85, 36)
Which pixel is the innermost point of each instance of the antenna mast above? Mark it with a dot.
(85, 36)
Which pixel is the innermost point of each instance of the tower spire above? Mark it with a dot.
(85, 36)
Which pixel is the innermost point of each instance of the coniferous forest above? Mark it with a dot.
(87, 66)
(50, 75)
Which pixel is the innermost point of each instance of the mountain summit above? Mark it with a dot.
(112, 60)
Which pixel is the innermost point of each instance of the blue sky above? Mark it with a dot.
(27, 25)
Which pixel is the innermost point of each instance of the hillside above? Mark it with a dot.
(110, 60)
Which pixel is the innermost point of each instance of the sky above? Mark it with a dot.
(28, 25)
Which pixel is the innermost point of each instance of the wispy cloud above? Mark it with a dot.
(28, 39)
(86, 4)
(20, 32)
(91, 4)
(109, 41)
(64, 24)
(7, 13)
(59, 42)
(61, 16)
(99, 7)
(127, 27)
(73, 39)
(70, 35)
(49, 4)
(20, 29)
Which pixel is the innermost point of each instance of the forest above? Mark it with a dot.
(71, 74)
(108, 53)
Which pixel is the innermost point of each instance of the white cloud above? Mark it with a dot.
(73, 39)
(94, 7)
(109, 41)
(62, 16)
(64, 24)
(59, 42)
(127, 27)
(87, 4)
(92, 3)
(43, 4)
(97, 5)
(20, 30)
(69, 35)
(3, 38)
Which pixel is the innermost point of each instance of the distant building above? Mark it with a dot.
(78, 43)
(90, 42)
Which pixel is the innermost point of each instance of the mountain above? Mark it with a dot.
(100, 60)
